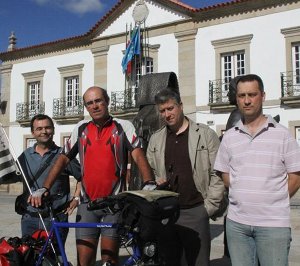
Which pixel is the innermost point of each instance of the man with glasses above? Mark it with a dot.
(103, 145)
(36, 162)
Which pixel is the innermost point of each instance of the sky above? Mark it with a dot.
(40, 21)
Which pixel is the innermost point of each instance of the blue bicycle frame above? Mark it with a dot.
(55, 231)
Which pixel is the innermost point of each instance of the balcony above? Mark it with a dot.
(218, 100)
(123, 103)
(290, 88)
(25, 111)
(68, 110)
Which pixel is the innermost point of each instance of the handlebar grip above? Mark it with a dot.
(163, 186)
(97, 204)
(108, 204)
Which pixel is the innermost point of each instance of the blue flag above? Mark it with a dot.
(134, 48)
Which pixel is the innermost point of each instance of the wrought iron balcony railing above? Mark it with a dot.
(123, 100)
(290, 84)
(25, 111)
(218, 90)
(67, 107)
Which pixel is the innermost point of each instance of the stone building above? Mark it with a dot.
(205, 47)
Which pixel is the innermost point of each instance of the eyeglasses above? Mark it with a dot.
(96, 101)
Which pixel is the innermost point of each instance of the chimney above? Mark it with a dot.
(12, 42)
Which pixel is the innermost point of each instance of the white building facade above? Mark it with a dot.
(204, 47)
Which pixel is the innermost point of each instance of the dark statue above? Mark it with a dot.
(148, 120)
(235, 115)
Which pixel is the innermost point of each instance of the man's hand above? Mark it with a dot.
(73, 204)
(36, 198)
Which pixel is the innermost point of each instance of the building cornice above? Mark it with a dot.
(196, 16)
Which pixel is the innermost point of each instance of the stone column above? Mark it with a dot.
(100, 51)
(186, 69)
(5, 72)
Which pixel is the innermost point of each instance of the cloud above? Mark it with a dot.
(83, 6)
(41, 2)
(80, 7)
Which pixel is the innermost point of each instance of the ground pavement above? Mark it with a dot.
(10, 226)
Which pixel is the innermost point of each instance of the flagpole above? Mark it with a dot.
(12, 151)
(125, 76)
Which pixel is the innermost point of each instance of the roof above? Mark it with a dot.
(115, 11)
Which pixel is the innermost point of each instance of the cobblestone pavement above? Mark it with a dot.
(10, 226)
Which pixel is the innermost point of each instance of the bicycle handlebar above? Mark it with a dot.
(108, 204)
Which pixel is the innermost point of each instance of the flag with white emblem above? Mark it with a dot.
(7, 163)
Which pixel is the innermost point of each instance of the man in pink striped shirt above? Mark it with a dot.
(260, 164)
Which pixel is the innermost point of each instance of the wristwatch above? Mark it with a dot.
(76, 198)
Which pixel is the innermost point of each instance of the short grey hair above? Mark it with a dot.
(165, 95)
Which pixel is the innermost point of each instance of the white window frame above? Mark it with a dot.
(151, 51)
(29, 141)
(33, 79)
(297, 134)
(34, 91)
(64, 137)
(71, 72)
(72, 91)
(138, 70)
(232, 45)
(232, 65)
(292, 37)
(296, 63)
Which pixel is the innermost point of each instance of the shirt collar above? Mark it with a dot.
(52, 149)
(106, 123)
(270, 122)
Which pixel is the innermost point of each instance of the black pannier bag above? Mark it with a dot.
(148, 212)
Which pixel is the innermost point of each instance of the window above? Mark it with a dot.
(29, 142)
(70, 104)
(139, 70)
(72, 91)
(71, 77)
(33, 89)
(292, 46)
(291, 77)
(233, 64)
(33, 95)
(297, 134)
(296, 63)
(64, 137)
(232, 57)
(149, 65)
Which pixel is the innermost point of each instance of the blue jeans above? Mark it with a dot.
(30, 224)
(248, 244)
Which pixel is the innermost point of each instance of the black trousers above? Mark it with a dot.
(187, 243)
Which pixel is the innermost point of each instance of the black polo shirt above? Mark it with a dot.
(179, 169)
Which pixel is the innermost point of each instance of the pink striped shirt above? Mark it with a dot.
(258, 167)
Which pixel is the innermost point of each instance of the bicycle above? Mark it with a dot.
(142, 215)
